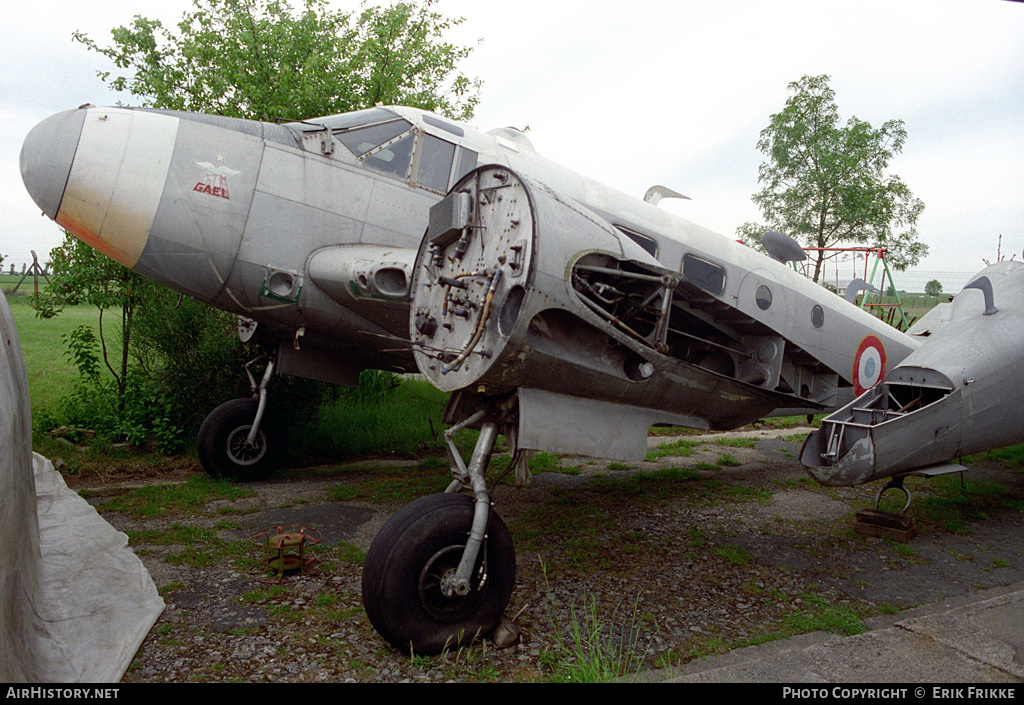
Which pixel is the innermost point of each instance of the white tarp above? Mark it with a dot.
(97, 599)
(75, 602)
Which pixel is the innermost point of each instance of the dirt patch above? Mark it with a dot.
(687, 555)
(130, 471)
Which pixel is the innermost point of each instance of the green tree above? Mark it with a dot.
(933, 288)
(826, 184)
(263, 60)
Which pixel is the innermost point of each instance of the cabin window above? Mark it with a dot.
(435, 166)
(648, 243)
(817, 316)
(706, 275)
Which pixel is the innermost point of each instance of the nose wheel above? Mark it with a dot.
(226, 450)
(241, 440)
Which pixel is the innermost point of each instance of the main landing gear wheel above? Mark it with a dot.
(407, 562)
(223, 446)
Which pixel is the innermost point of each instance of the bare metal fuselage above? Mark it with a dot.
(312, 230)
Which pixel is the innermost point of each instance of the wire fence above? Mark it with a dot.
(838, 275)
(18, 261)
(916, 281)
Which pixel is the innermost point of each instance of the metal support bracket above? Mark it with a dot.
(894, 483)
(874, 522)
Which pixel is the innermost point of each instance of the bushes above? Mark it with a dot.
(384, 414)
(187, 356)
(145, 402)
(169, 360)
(184, 360)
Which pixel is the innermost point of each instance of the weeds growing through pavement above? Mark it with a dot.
(595, 648)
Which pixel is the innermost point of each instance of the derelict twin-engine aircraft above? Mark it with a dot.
(562, 313)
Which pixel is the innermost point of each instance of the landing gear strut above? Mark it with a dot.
(240, 440)
(441, 571)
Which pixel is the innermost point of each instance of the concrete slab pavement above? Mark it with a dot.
(973, 639)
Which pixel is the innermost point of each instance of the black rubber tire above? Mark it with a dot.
(221, 447)
(405, 561)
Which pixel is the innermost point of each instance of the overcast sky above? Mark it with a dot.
(644, 92)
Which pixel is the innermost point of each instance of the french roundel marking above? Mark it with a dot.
(868, 364)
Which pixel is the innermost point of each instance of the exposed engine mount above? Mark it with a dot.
(517, 290)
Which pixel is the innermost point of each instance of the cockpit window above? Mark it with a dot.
(465, 163)
(392, 159)
(446, 126)
(362, 140)
(435, 163)
(349, 120)
(381, 139)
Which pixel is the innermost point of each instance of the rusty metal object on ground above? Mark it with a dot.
(284, 553)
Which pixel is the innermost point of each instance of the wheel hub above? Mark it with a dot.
(241, 451)
(437, 591)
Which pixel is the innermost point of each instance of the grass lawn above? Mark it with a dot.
(50, 373)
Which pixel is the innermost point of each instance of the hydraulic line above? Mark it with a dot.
(485, 314)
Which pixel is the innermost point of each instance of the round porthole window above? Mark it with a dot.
(817, 316)
(763, 297)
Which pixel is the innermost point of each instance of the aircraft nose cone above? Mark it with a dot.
(46, 157)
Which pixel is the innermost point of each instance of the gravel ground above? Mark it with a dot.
(657, 563)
